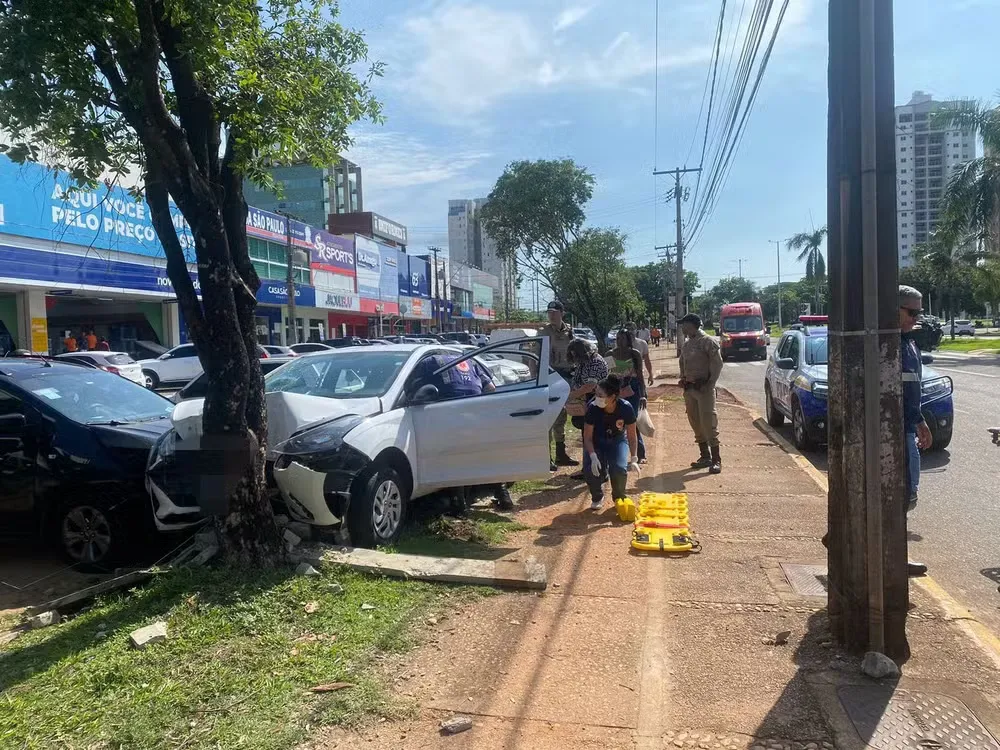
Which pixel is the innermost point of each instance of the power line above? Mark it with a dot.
(711, 97)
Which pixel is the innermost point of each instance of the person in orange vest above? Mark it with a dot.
(91, 340)
(70, 342)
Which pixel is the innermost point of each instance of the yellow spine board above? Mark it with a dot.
(661, 523)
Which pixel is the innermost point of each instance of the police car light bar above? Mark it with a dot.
(813, 320)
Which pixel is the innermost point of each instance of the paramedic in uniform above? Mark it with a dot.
(701, 365)
(560, 334)
(464, 380)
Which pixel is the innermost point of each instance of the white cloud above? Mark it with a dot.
(396, 160)
(571, 16)
(461, 58)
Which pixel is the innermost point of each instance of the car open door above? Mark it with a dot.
(501, 436)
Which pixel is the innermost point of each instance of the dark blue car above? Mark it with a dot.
(795, 388)
(74, 443)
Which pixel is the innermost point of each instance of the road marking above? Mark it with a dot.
(966, 372)
(962, 617)
(757, 364)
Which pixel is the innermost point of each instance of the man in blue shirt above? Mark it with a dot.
(916, 432)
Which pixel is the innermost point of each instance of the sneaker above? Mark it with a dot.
(596, 504)
(911, 503)
(916, 569)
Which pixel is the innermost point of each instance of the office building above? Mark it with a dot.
(927, 154)
(311, 194)
(468, 243)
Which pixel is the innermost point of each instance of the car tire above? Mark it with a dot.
(90, 534)
(378, 508)
(151, 378)
(774, 417)
(800, 433)
(941, 435)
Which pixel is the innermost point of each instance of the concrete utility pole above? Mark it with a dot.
(777, 249)
(666, 286)
(868, 584)
(740, 261)
(293, 335)
(679, 311)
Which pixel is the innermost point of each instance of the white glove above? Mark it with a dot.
(595, 465)
(633, 465)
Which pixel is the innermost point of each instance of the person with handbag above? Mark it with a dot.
(626, 362)
(610, 441)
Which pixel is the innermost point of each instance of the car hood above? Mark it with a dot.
(287, 413)
(132, 435)
(818, 372)
(145, 362)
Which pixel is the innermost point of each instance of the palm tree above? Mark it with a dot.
(951, 262)
(808, 245)
(971, 200)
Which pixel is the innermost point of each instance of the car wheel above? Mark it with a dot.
(89, 534)
(376, 513)
(941, 435)
(799, 431)
(774, 417)
(151, 378)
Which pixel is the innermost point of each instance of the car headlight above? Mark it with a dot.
(322, 438)
(936, 387)
(163, 450)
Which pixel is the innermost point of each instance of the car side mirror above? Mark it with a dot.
(165, 355)
(11, 424)
(425, 394)
(926, 359)
(785, 363)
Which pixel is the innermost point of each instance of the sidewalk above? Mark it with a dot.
(628, 651)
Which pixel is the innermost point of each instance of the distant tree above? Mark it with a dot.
(650, 281)
(735, 289)
(594, 283)
(951, 263)
(535, 212)
(790, 301)
(971, 200)
(809, 246)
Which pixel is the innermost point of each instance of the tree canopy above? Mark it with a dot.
(535, 212)
(593, 282)
(649, 282)
(194, 96)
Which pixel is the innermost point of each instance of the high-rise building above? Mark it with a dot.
(311, 194)
(469, 243)
(927, 154)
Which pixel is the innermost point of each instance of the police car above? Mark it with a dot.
(795, 387)
(356, 434)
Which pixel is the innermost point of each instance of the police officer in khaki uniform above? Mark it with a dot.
(701, 365)
(560, 333)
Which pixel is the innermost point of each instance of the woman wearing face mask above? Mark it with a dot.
(610, 441)
(627, 364)
(589, 369)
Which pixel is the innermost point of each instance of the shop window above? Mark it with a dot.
(261, 269)
(276, 253)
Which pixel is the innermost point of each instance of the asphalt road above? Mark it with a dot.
(955, 529)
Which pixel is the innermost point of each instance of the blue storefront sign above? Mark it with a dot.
(403, 275)
(35, 202)
(369, 263)
(331, 252)
(389, 278)
(84, 270)
(266, 225)
(420, 278)
(273, 292)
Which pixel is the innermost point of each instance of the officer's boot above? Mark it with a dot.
(705, 460)
(562, 458)
(716, 467)
(502, 498)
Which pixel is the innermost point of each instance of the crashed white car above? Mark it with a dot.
(355, 435)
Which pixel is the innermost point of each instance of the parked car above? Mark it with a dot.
(795, 388)
(177, 366)
(459, 337)
(274, 350)
(928, 333)
(586, 334)
(357, 435)
(504, 370)
(340, 343)
(310, 347)
(141, 349)
(198, 387)
(73, 452)
(119, 363)
(961, 328)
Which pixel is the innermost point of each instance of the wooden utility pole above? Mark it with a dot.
(293, 328)
(868, 584)
(666, 282)
(679, 288)
(777, 248)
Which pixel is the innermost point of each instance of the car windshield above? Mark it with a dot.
(742, 323)
(119, 359)
(816, 350)
(346, 374)
(97, 397)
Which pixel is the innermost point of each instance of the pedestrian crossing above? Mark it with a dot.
(754, 363)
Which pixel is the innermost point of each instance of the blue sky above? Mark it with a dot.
(471, 85)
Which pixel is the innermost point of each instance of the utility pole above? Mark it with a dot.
(740, 261)
(293, 336)
(666, 287)
(777, 249)
(868, 585)
(679, 288)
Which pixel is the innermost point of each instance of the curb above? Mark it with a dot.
(980, 634)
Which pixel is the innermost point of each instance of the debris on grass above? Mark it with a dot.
(331, 687)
